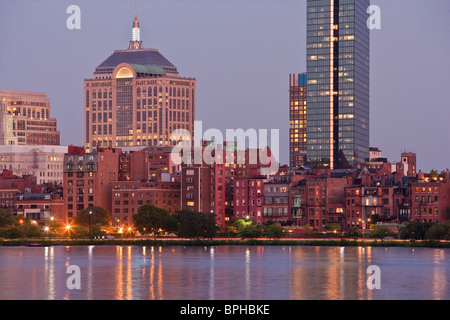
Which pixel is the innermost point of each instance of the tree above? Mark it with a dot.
(23, 227)
(333, 227)
(353, 232)
(153, 220)
(439, 231)
(192, 224)
(78, 232)
(52, 227)
(414, 230)
(273, 231)
(12, 232)
(434, 174)
(6, 218)
(381, 232)
(375, 219)
(248, 229)
(92, 216)
(90, 222)
(30, 230)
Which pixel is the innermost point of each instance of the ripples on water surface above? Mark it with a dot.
(223, 273)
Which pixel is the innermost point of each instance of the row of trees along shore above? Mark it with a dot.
(152, 221)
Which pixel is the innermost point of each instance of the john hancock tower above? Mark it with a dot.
(338, 53)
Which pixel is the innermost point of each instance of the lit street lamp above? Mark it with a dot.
(90, 213)
(68, 229)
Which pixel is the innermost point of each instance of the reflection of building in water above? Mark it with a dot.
(439, 276)
(329, 273)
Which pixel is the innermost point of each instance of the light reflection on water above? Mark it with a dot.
(223, 273)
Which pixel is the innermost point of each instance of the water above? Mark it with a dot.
(223, 273)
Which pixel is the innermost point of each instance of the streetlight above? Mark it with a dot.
(68, 229)
(364, 228)
(90, 214)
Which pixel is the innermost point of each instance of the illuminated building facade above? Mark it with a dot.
(137, 98)
(25, 119)
(88, 179)
(297, 115)
(338, 83)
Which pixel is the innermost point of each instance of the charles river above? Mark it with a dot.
(222, 273)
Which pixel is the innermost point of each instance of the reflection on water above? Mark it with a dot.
(223, 273)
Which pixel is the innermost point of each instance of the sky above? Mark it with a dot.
(241, 52)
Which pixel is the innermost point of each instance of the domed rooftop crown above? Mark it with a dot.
(136, 54)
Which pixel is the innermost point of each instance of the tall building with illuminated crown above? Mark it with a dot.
(137, 98)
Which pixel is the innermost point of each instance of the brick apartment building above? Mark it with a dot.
(209, 187)
(41, 205)
(318, 202)
(88, 179)
(249, 198)
(430, 200)
(10, 185)
(145, 163)
(276, 199)
(128, 196)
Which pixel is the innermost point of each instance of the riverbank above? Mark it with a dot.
(228, 241)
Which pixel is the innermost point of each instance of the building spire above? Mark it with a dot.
(136, 42)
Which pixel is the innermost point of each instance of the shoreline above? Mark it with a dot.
(231, 241)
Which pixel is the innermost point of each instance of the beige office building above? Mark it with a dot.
(27, 116)
(137, 98)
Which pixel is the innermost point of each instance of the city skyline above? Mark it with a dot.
(225, 54)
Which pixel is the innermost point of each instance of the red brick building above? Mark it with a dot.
(430, 201)
(276, 199)
(146, 163)
(128, 196)
(10, 185)
(88, 179)
(197, 186)
(249, 198)
(208, 187)
(40, 207)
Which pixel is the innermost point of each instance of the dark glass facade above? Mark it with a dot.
(338, 52)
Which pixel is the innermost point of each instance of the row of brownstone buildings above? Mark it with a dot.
(122, 180)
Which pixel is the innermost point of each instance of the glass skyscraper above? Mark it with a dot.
(338, 50)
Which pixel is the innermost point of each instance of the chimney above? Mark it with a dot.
(350, 180)
(421, 175)
(367, 180)
(383, 180)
